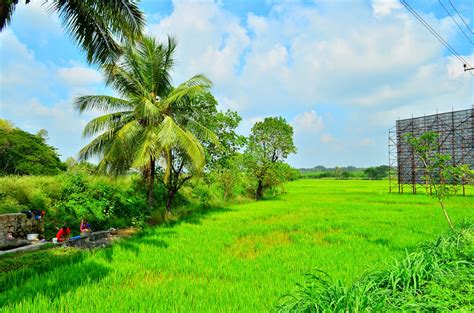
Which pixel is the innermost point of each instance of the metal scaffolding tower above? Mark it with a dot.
(456, 138)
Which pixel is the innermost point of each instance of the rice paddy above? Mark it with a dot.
(239, 258)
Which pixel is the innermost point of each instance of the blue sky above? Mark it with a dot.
(341, 72)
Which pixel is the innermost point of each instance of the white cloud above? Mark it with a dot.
(36, 95)
(40, 23)
(326, 138)
(385, 7)
(247, 124)
(63, 123)
(37, 13)
(379, 64)
(19, 70)
(210, 40)
(78, 76)
(308, 122)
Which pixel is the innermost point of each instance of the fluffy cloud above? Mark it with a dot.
(36, 95)
(297, 54)
(385, 7)
(378, 65)
(18, 66)
(308, 122)
(78, 76)
(326, 138)
(210, 40)
(298, 61)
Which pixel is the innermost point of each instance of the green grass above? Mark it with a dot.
(241, 258)
(438, 276)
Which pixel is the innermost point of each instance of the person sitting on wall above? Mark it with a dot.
(85, 228)
(63, 234)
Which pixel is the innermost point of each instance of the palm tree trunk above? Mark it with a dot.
(151, 180)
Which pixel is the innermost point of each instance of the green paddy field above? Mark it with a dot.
(240, 258)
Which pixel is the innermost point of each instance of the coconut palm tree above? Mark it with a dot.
(97, 26)
(146, 121)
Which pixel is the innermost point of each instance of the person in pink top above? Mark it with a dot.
(85, 226)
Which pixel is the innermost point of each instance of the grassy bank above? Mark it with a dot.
(436, 277)
(243, 257)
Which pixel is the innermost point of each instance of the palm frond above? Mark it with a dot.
(96, 24)
(120, 77)
(101, 103)
(189, 88)
(112, 121)
(148, 112)
(7, 7)
(173, 136)
(148, 146)
(203, 133)
(97, 146)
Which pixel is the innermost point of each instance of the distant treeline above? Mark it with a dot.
(347, 172)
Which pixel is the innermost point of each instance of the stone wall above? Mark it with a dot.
(17, 225)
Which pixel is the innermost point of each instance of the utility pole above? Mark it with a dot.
(467, 68)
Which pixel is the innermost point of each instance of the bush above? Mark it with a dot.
(429, 279)
(68, 198)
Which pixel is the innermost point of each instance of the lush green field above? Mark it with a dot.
(241, 258)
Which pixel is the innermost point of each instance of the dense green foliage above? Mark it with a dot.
(269, 144)
(346, 172)
(377, 172)
(69, 198)
(22, 153)
(436, 277)
(97, 26)
(241, 257)
(151, 122)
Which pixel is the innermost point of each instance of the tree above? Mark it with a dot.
(269, 144)
(377, 172)
(438, 169)
(202, 109)
(97, 26)
(22, 153)
(144, 125)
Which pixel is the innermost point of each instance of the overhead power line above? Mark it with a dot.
(462, 18)
(434, 33)
(459, 26)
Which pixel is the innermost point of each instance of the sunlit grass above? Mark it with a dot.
(244, 257)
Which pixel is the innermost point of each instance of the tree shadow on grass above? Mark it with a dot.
(133, 245)
(152, 235)
(14, 269)
(196, 217)
(55, 283)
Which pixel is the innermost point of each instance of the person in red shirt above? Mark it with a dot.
(63, 233)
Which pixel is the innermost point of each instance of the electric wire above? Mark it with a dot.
(464, 21)
(434, 33)
(459, 26)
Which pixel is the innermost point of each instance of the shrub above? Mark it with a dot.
(68, 198)
(419, 282)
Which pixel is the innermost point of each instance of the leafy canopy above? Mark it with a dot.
(144, 124)
(271, 141)
(269, 144)
(22, 153)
